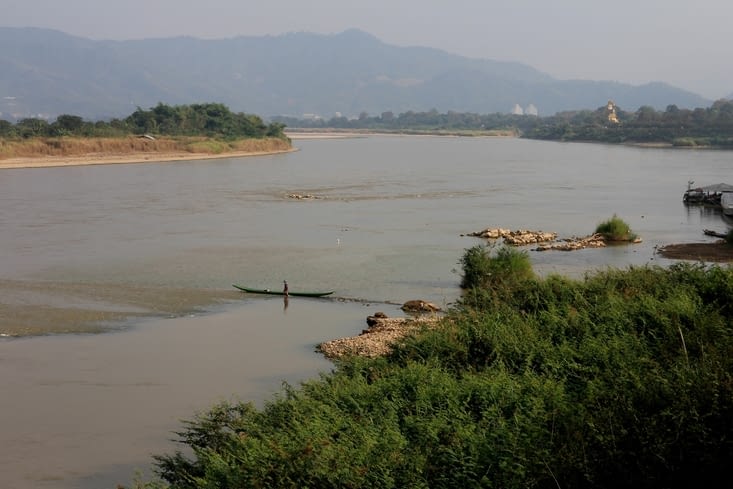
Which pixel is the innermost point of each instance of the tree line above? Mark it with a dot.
(431, 120)
(207, 119)
(712, 126)
(682, 127)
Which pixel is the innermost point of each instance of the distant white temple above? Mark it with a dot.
(529, 110)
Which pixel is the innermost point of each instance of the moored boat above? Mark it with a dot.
(726, 203)
(281, 292)
(707, 195)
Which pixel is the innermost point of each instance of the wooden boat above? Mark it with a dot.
(280, 292)
(710, 232)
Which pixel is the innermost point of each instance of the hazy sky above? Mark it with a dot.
(688, 43)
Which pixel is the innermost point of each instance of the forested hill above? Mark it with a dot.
(47, 73)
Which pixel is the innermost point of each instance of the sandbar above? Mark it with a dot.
(719, 252)
(124, 158)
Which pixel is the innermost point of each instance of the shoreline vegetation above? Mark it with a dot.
(162, 133)
(211, 130)
(526, 382)
(676, 127)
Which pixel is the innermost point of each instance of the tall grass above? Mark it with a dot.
(615, 229)
(622, 379)
(487, 266)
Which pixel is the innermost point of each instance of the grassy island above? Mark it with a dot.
(622, 379)
(161, 133)
(615, 229)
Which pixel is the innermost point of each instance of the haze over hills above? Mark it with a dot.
(47, 73)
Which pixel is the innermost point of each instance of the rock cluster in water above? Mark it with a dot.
(549, 241)
(571, 244)
(304, 197)
(519, 237)
(419, 306)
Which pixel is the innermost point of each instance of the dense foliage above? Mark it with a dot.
(711, 126)
(623, 379)
(430, 121)
(488, 268)
(211, 119)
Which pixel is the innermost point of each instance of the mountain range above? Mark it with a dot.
(46, 73)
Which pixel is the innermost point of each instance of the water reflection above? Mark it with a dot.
(706, 211)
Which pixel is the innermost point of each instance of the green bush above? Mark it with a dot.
(615, 229)
(484, 269)
(623, 379)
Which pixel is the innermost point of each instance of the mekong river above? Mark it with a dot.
(117, 314)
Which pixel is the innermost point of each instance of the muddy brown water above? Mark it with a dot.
(117, 314)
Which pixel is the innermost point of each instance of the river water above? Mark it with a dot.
(117, 314)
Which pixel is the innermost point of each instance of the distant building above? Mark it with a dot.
(531, 110)
(611, 112)
(517, 110)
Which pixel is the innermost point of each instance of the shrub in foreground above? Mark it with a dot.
(489, 267)
(623, 379)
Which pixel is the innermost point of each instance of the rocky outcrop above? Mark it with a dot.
(418, 306)
(304, 197)
(571, 244)
(519, 237)
(548, 241)
(378, 339)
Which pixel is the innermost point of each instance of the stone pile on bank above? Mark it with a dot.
(378, 339)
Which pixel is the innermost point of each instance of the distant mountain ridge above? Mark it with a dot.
(47, 73)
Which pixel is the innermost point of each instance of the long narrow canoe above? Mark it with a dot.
(280, 292)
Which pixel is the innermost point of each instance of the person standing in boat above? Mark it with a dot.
(285, 288)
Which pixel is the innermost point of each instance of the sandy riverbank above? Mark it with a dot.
(294, 135)
(361, 133)
(137, 157)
